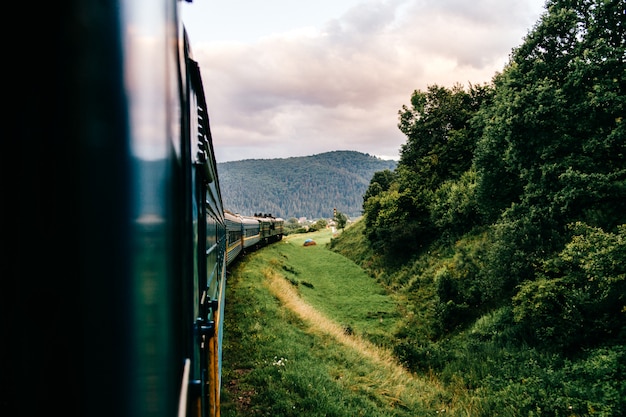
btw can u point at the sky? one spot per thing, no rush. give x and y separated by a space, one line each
288 78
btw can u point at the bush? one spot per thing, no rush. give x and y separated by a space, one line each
579 298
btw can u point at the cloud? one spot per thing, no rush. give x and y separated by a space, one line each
340 86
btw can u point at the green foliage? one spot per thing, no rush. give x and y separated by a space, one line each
381 181
498 184
292 226
318 225
440 140
341 219
431 191
390 227
518 244
553 148
458 284
579 298
532 383
453 209
321 224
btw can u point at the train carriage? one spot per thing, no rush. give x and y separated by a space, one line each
235 236
114 301
251 232
277 229
117 290
265 232
246 233
271 228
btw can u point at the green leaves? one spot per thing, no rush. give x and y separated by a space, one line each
553 149
579 297
542 147
431 191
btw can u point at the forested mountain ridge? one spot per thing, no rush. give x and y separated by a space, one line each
309 186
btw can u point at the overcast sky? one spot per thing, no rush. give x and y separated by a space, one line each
290 78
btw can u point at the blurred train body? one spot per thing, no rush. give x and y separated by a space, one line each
114 284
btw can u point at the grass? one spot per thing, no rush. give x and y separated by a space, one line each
337 287
307 332
299 338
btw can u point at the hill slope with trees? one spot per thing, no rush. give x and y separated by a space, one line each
310 186
504 223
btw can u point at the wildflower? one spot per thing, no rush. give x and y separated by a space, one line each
279 362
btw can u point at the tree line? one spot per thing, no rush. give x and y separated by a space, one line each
533 164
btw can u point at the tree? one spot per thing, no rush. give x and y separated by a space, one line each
453 209
341 219
554 147
440 135
318 225
559 109
442 132
579 296
381 181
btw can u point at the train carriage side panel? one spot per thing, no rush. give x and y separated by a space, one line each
209 255
235 237
277 229
251 232
109 161
137 317
265 229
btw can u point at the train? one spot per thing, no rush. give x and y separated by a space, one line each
117 242
247 233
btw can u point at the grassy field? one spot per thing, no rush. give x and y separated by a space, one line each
306 333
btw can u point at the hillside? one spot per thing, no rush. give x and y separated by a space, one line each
309 186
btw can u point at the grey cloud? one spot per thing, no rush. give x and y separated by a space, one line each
341 88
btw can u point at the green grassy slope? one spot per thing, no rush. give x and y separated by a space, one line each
299 327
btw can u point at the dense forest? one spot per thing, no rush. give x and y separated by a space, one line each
504 222
309 186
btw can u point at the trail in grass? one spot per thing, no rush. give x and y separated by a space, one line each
290 298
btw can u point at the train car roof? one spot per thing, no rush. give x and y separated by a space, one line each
249 220
242 219
232 217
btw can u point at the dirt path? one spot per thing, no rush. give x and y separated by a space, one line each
397 375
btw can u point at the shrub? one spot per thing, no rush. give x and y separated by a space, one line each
579 297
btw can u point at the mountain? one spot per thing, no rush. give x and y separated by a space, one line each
308 186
